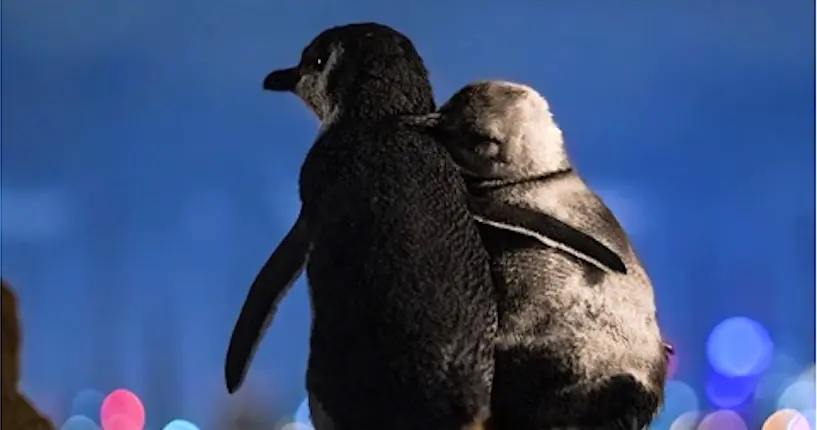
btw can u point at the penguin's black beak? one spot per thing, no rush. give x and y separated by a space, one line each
282 80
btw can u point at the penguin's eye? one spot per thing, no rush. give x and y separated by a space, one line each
317 59
320 62
314 59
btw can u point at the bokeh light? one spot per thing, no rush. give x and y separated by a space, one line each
722 420
811 417
799 395
728 392
122 410
679 398
297 426
284 420
120 422
781 373
180 424
739 346
786 419
687 421
88 402
79 422
809 374
303 414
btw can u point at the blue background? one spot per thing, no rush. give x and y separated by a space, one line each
146 176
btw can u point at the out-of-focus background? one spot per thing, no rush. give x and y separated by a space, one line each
146 177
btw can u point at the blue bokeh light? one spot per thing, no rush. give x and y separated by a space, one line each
180 424
679 399
799 396
88 402
687 421
811 417
781 373
728 392
303 415
79 422
739 346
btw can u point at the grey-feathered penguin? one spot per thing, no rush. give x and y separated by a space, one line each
404 315
578 345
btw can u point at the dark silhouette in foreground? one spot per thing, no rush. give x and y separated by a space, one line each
17 411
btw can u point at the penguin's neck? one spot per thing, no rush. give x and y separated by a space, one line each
381 98
483 187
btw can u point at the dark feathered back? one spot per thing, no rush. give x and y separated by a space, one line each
404 310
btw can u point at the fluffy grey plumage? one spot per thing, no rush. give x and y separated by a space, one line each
578 345
404 315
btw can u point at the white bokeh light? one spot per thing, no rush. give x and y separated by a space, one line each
302 414
799 396
679 399
297 426
180 424
782 372
687 421
739 346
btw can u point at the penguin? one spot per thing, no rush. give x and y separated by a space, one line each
283 267
578 345
402 296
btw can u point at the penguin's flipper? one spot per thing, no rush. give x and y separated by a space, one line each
270 286
548 230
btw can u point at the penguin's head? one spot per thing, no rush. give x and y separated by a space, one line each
367 68
500 130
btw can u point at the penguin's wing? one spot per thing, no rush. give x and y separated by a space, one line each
548 230
271 284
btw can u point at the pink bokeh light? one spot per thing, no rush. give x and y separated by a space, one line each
722 420
122 410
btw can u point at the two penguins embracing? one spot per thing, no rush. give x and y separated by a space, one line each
461 274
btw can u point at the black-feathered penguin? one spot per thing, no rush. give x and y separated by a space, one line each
579 345
404 315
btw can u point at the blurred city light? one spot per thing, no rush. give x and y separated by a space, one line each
88 402
722 420
122 410
79 422
739 346
686 421
303 414
780 374
786 419
679 398
728 392
799 396
297 426
180 424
